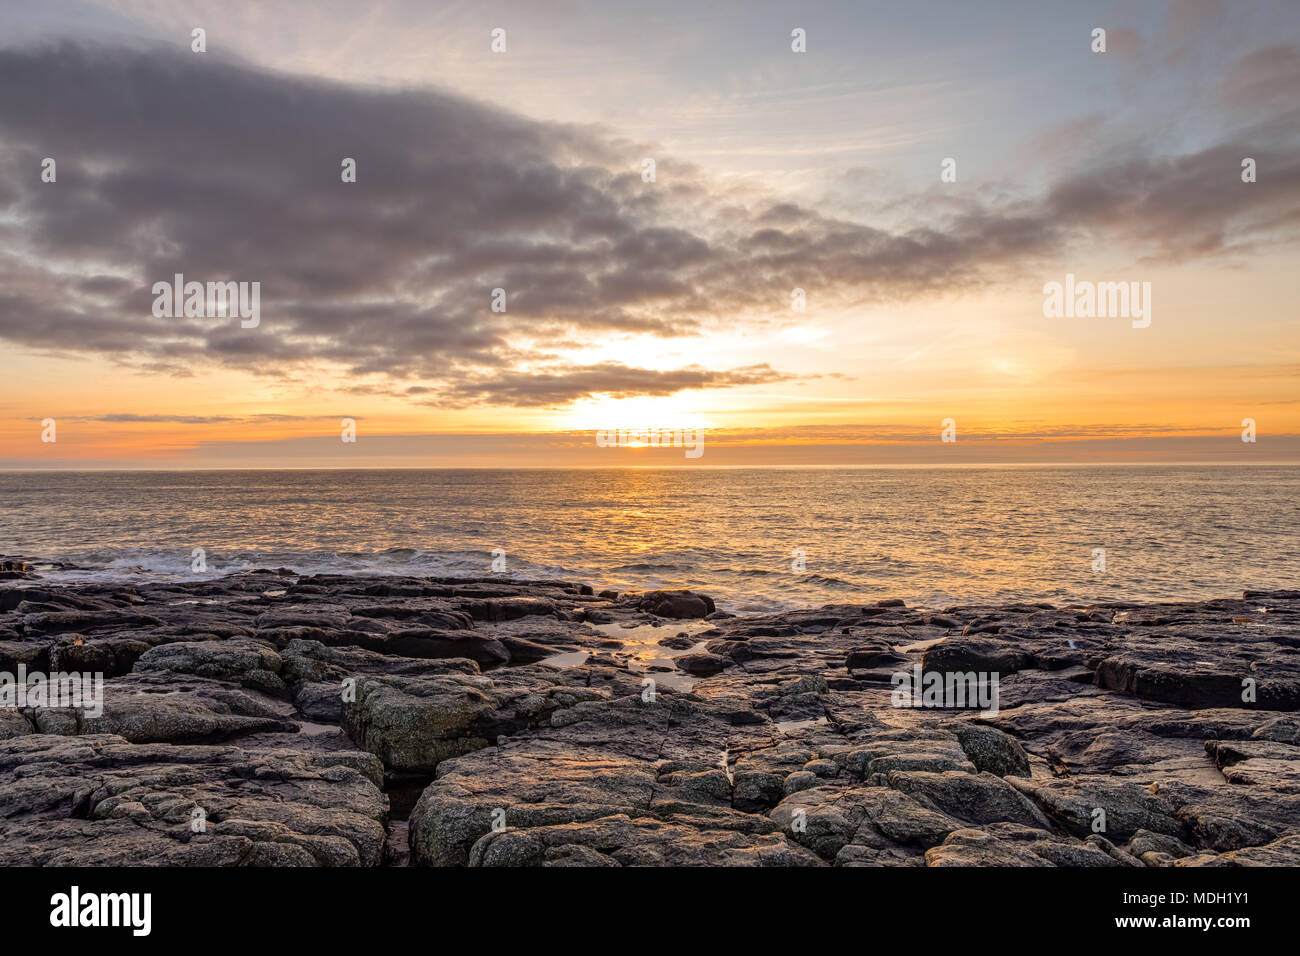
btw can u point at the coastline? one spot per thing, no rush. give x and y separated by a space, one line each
277 719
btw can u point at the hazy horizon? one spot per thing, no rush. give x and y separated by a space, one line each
662 467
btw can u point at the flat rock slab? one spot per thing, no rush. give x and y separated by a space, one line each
101 800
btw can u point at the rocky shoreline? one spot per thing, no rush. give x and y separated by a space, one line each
268 718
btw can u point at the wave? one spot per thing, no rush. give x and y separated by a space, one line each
133 563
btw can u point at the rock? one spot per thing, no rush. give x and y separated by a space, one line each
523 651
244 662
62 622
622 841
112 657
35 657
990 750
320 701
541 785
475 647
974 798
150 708
701 664
509 608
756 792
102 801
1144 842
875 654
802 780
312 661
774 739
1127 807
977 654
412 724
1264 763
977 848
1283 852
875 753
676 604
16 571
832 818
678 642
1216 683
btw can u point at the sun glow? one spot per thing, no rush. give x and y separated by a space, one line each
641 412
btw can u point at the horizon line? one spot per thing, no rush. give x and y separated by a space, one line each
684 467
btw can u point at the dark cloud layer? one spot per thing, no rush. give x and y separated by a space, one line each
608 378
133 418
174 162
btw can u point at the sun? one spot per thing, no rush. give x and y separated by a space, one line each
643 411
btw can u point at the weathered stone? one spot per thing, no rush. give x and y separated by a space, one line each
1116 741
702 664
102 801
676 604
244 662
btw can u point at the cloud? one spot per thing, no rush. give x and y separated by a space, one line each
552 387
887 446
173 162
132 418
1266 78
1188 206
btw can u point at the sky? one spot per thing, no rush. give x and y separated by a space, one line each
921 172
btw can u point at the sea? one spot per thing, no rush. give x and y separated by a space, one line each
756 540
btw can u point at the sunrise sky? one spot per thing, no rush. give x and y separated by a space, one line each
634 303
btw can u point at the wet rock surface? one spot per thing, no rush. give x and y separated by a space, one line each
268 718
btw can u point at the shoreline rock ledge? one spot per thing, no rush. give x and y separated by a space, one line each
276 719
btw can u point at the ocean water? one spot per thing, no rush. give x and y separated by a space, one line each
933 537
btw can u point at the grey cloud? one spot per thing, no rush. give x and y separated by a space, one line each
556 386
171 162
1266 78
1123 41
1188 206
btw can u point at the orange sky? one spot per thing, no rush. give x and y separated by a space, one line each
639 303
